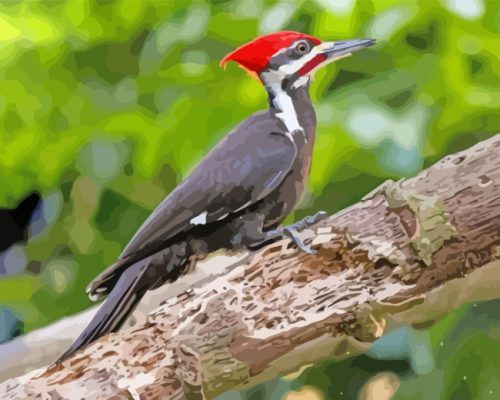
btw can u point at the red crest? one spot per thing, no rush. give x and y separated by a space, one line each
254 56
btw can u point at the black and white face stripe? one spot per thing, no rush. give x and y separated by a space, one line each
288 62
295 52
288 70
280 82
281 100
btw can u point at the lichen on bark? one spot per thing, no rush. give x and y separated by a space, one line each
433 225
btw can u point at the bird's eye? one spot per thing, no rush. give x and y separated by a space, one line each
302 47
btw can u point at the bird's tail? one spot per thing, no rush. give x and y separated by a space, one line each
121 301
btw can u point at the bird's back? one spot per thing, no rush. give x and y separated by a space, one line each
213 186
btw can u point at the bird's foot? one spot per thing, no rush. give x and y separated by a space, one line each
292 230
309 221
294 236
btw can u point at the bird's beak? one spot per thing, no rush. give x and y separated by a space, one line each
328 52
336 50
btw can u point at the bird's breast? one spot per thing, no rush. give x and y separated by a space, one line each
288 194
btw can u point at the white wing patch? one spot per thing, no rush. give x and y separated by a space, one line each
200 219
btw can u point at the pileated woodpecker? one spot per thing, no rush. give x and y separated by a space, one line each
240 193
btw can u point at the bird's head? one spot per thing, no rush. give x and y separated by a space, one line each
290 55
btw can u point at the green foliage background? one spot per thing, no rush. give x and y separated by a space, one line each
106 105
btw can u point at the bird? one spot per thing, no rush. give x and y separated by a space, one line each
239 193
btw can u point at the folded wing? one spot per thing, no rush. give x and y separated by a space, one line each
242 170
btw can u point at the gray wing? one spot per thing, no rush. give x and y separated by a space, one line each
241 170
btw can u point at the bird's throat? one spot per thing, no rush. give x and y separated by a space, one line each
286 101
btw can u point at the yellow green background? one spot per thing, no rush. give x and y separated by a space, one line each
106 105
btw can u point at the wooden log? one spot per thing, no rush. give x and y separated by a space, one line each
408 253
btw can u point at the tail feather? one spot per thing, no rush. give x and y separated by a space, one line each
132 282
103 283
122 300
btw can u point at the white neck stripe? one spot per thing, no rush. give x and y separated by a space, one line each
288 115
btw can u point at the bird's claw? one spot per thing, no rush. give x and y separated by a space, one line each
292 230
313 219
309 221
293 235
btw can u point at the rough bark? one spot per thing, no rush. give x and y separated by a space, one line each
408 253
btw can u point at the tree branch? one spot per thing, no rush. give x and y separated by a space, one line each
408 253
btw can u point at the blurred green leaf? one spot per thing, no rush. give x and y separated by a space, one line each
106 105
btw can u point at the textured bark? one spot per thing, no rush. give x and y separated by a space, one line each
408 253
